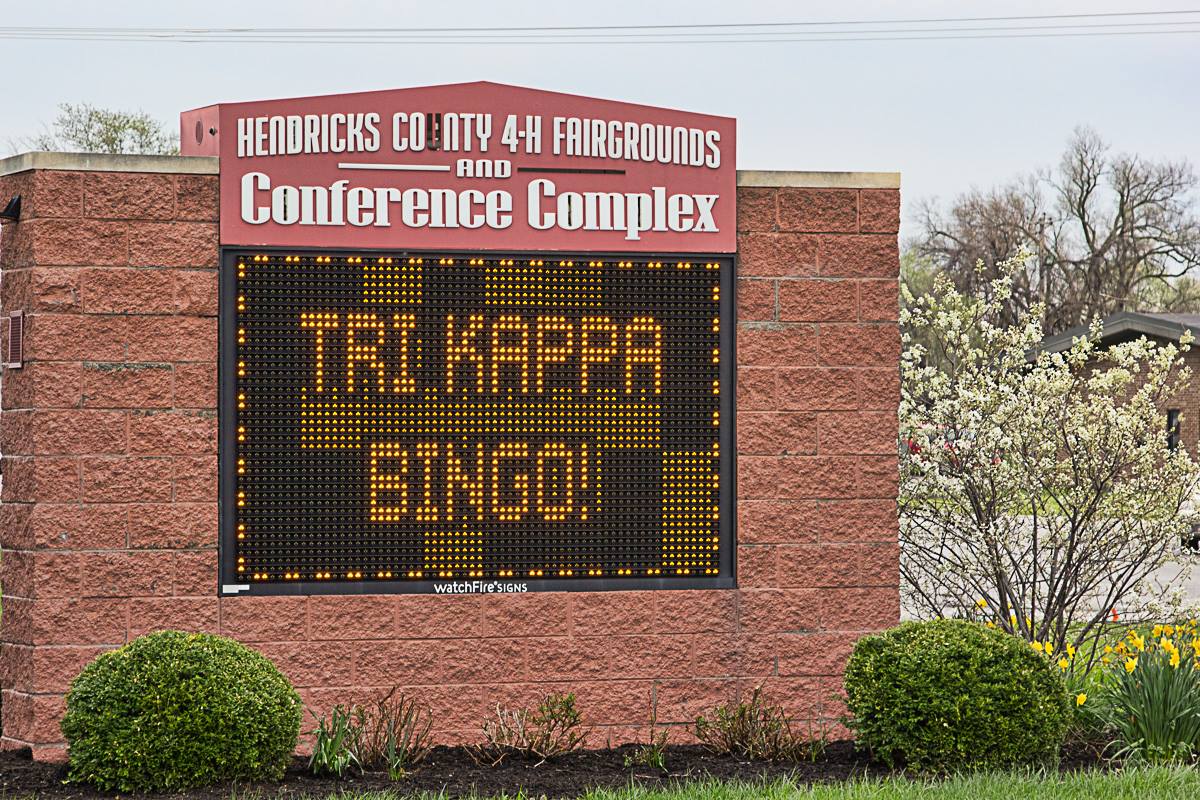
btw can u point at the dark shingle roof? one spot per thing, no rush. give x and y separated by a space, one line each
1127 325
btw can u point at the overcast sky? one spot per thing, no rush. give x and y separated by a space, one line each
948 114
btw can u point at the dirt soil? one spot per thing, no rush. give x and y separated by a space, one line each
452 772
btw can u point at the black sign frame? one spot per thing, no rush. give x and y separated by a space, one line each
231 584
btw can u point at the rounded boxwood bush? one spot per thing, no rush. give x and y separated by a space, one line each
950 695
174 710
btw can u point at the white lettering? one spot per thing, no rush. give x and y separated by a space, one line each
339 203
537 190
704 205
285 205
358 200
251 182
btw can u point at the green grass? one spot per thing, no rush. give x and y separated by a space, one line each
1158 783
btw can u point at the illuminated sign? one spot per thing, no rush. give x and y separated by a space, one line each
475 422
474 338
440 167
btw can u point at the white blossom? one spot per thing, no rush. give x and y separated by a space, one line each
1038 490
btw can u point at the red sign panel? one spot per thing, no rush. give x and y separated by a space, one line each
470 166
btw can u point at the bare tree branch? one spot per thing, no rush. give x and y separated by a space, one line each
1108 232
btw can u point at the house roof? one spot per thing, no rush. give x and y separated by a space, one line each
1128 325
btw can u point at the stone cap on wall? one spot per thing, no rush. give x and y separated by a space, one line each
775 178
207 165
106 162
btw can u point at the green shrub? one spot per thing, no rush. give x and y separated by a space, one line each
390 735
335 743
395 733
949 695
759 731
552 729
1089 730
173 710
654 752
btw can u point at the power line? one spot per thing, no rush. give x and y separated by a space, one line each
674 26
949 28
710 35
575 42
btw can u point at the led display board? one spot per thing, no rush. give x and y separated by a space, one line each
458 422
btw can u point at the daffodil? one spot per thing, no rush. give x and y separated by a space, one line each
1169 630
1108 648
1080 698
1175 659
1138 642
1036 645
1131 664
1070 651
1158 629
981 603
1063 664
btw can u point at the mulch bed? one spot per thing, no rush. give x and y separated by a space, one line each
452 772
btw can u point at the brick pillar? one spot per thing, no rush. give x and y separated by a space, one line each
818 390
108 516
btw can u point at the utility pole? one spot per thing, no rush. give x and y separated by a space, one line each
1043 276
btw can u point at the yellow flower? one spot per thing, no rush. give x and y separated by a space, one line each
981 603
1131 664
1080 698
1036 645
1158 629
1169 630
1105 660
1063 664
1196 647
1070 651
1138 641
991 624
1108 648
1175 659
1121 648
1166 644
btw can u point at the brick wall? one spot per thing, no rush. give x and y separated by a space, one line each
1188 403
108 521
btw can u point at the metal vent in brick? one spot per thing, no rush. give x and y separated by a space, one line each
15 354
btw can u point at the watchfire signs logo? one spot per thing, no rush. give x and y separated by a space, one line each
477 165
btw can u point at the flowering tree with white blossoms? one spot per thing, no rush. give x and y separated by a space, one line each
1038 490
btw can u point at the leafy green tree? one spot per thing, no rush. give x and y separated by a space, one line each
85 128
